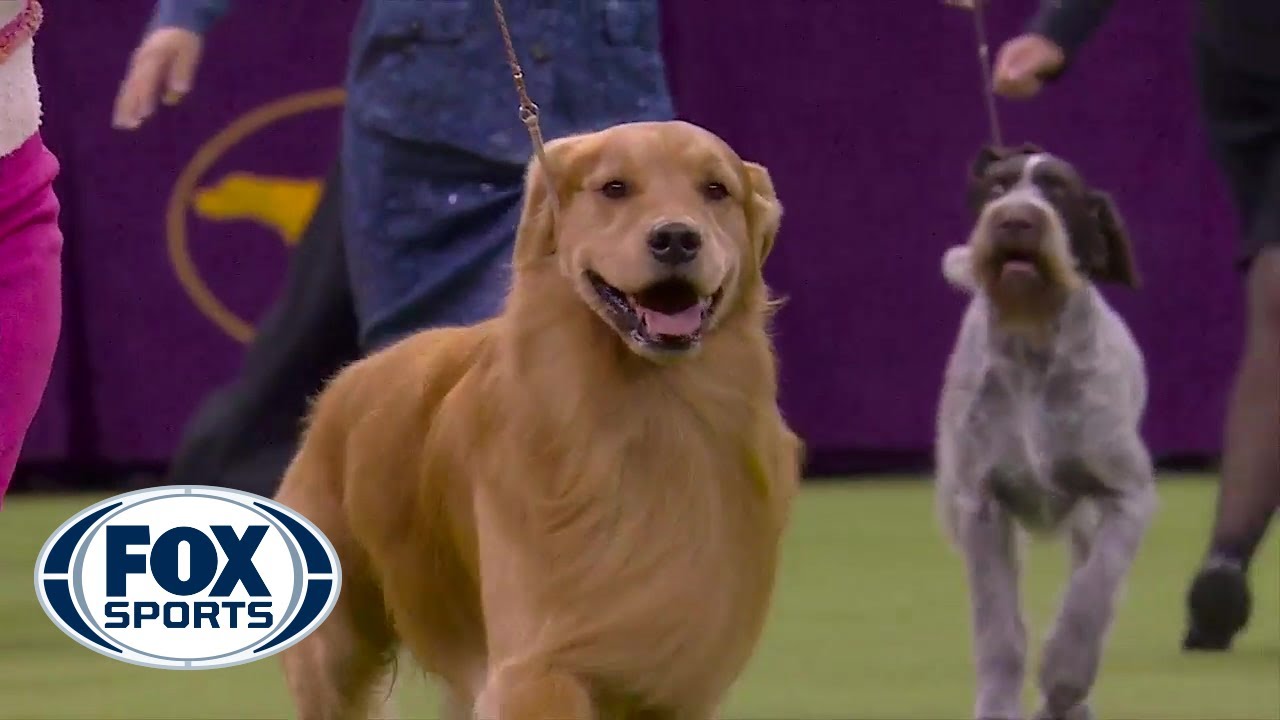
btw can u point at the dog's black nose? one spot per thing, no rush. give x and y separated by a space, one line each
1016 225
1018 222
675 243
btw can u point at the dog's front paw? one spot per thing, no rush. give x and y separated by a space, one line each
1006 710
1080 711
1067 673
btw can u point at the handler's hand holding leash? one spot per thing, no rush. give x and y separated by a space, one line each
1023 63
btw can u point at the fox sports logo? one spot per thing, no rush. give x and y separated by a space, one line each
187 577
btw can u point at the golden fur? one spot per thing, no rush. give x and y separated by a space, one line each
556 522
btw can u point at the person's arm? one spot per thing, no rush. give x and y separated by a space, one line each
1069 23
163 67
194 15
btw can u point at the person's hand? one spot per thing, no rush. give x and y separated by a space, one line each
1023 62
163 67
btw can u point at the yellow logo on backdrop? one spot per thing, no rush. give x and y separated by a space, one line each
282 205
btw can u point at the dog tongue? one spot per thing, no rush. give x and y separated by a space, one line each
685 322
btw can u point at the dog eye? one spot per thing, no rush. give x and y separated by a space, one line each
614 189
1059 189
715 191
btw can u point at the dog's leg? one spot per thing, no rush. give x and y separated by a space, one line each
1081 536
341 670
1073 650
458 705
384 706
1082 527
696 711
1081 544
710 712
985 536
527 691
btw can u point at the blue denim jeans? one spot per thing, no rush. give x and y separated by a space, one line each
434 151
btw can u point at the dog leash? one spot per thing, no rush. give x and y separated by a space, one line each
984 64
528 110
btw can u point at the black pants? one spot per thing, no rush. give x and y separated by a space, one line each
245 433
1242 115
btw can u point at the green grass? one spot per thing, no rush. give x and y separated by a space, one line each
870 622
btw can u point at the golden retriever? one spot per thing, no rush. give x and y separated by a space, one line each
573 510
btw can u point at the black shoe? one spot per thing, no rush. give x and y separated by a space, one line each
1218 604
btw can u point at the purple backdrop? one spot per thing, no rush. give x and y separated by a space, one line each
867 113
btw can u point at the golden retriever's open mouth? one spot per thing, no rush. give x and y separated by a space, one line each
668 315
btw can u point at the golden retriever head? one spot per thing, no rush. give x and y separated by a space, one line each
661 230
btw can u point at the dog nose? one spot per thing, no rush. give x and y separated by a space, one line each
674 243
1016 225
1019 221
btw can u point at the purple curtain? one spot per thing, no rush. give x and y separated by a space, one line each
867 114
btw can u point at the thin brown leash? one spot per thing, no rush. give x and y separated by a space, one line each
984 63
528 109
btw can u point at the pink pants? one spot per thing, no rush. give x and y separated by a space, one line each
30 292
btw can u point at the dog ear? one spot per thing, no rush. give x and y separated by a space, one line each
764 212
1113 259
536 233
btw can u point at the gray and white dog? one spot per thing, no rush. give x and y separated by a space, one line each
1038 424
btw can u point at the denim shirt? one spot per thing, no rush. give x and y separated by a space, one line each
435 71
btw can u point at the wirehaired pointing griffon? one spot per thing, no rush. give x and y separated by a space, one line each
1038 427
